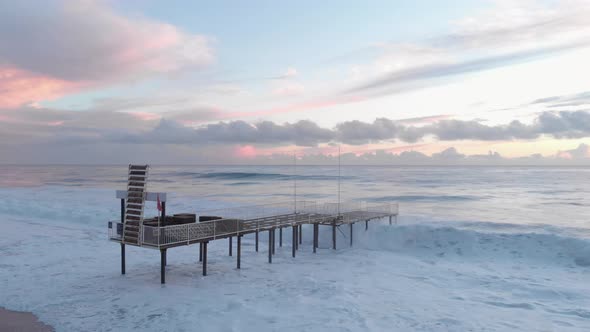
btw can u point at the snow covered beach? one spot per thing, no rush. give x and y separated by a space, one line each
428 273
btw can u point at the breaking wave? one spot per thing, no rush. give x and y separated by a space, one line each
425 198
253 176
449 242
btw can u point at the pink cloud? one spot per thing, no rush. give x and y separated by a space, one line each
87 44
89 40
145 116
19 87
246 151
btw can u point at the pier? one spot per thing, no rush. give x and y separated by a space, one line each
165 232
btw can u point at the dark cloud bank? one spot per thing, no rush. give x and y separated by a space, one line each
563 124
115 137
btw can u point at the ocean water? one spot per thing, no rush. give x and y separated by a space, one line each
474 249
553 196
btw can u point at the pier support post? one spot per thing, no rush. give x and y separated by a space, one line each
270 245
315 237
390 220
162 266
122 210
200 251
351 233
281 237
230 245
300 231
205 258
294 243
334 235
366 225
296 239
256 240
273 240
239 249
122 258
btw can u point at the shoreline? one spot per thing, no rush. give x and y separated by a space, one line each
22 321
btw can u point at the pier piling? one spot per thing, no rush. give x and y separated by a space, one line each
230 245
162 266
122 258
351 233
294 243
315 237
239 249
274 240
200 251
334 235
205 258
270 245
256 240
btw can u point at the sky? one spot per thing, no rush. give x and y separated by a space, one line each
258 82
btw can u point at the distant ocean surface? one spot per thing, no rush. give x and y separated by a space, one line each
551 196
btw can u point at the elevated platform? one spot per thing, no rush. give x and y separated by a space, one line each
253 219
161 234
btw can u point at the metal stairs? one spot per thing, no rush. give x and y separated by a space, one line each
136 189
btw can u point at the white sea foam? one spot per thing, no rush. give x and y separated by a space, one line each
431 272
400 277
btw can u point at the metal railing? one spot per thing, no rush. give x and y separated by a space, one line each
247 219
115 230
262 210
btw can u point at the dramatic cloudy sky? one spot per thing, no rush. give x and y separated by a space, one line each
389 82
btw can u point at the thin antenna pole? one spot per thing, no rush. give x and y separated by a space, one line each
338 179
295 180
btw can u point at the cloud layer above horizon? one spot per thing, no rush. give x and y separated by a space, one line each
94 76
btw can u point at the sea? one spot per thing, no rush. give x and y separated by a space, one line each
473 249
552 196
